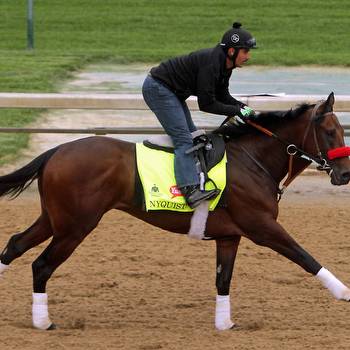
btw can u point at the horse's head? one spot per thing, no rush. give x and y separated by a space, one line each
324 137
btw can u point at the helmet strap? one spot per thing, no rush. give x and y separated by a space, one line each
234 56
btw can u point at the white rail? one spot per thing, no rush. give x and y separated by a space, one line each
135 101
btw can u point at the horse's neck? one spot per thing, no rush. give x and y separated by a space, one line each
272 154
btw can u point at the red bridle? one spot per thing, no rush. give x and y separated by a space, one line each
339 152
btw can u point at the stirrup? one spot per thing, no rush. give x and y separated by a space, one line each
194 196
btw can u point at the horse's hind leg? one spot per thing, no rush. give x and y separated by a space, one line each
58 251
19 243
43 267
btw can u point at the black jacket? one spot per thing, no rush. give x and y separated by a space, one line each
203 74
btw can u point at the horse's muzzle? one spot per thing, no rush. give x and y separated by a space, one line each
340 178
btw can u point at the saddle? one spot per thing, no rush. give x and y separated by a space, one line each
208 149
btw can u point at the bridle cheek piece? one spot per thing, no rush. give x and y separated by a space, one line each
334 153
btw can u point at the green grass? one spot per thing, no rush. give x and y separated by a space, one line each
71 33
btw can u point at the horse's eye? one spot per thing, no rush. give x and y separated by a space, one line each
331 133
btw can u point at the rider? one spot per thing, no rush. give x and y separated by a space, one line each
205 74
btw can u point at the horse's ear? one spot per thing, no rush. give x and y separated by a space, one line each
328 105
330 101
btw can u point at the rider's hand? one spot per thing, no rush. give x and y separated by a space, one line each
246 112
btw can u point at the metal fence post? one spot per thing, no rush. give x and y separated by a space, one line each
30 25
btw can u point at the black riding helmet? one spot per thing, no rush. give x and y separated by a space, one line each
238 38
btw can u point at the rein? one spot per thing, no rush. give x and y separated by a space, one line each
293 150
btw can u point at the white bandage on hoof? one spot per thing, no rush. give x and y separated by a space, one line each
223 313
337 288
40 312
199 221
3 268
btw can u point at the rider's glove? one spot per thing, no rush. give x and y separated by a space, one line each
245 113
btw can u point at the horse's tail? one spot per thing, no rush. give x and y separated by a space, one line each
15 183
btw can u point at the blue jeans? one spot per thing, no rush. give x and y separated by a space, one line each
175 118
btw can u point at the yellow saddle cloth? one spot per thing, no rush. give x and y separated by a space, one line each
156 171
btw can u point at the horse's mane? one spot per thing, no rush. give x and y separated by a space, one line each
271 118
267 120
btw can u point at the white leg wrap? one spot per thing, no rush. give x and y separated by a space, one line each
40 311
223 313
199 221
3 268
337 288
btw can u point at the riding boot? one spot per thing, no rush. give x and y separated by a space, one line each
194 196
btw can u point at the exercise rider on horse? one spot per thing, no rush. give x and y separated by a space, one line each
205 74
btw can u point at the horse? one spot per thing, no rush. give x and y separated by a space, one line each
81 180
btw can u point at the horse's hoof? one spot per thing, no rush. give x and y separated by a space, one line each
52 327
226 326
3 268
235 327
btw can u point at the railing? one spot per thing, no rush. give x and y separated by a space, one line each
135 102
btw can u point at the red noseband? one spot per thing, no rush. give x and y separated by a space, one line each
339 152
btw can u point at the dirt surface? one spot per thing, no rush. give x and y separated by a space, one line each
133 286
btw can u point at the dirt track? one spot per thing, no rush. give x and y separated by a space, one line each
132 286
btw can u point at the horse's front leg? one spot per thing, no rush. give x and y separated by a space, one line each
226 251
275 237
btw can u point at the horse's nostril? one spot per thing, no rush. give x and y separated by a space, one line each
346 175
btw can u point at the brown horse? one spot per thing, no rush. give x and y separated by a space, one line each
80 181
